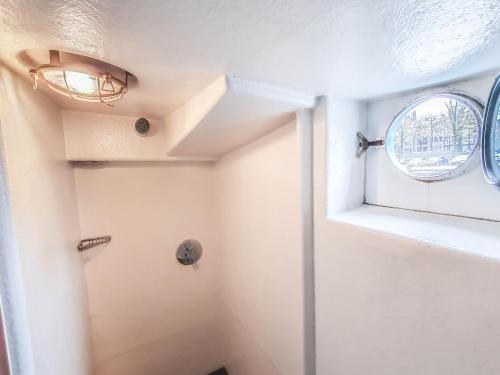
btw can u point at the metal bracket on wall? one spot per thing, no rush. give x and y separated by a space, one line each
364 144
89 243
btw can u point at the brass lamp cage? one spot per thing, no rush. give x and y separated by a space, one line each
108 88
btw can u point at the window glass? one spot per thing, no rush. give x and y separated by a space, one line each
434 137
497 139
491 140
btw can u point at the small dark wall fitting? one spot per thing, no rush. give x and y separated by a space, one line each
364 144
142 126
221 371
189 252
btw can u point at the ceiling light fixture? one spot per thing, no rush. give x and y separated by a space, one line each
80 83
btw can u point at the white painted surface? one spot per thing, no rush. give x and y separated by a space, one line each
259 194
345 172
304 120
466 195
149 314
231 124
242 306
354 49
228 114
94 136
460 234
391 306
13 304
44 211
181 123
388 305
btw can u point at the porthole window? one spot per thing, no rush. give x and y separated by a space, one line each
491 140
435 137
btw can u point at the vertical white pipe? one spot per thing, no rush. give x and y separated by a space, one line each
304 120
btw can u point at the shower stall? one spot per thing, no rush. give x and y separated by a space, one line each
121 302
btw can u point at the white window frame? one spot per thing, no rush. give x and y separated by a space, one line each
490 167
474 104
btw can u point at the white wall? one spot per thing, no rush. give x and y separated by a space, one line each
242 306
345 179
96 136
150 314
260 218
44 211
13 304
389 305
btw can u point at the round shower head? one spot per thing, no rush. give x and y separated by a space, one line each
142 126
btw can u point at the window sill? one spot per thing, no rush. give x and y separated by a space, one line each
479 237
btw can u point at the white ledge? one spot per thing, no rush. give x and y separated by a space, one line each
244 86
479 237
229 113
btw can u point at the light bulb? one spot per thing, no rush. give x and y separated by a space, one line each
81 82
86 85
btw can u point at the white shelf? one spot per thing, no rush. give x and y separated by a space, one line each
475 236
230 113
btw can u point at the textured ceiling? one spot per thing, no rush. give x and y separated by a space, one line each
352 48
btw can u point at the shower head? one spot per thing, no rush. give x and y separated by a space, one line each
142 126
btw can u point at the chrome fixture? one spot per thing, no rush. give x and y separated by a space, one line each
491 136
364 144
89 243
142 126
189 252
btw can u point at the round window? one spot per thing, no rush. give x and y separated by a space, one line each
435 137
491 136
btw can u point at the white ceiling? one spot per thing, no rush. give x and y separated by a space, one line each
350 48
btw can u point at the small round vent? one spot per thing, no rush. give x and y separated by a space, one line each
142 126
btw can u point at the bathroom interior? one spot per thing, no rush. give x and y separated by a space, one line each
275 187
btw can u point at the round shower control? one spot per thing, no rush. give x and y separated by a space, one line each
189 252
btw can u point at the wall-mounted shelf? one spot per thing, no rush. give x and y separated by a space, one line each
230 113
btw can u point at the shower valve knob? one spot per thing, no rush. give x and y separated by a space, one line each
189 252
